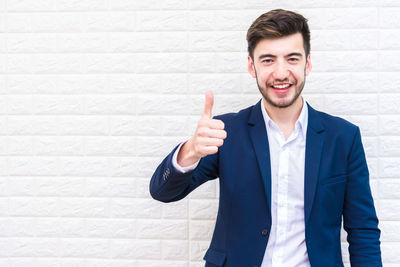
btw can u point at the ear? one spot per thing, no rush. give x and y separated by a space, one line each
250 67
308 65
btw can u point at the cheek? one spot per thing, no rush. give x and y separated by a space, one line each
264 75
298 73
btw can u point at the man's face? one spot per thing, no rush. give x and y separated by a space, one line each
280 67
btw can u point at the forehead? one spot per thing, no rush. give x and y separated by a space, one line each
280 46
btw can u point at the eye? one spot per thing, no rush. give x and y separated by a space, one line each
267 61
293 59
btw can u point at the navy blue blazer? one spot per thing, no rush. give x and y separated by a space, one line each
336 186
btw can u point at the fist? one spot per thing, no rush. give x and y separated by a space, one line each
209 136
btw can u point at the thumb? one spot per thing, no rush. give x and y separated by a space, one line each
208 104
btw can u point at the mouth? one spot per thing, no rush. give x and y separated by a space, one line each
281 88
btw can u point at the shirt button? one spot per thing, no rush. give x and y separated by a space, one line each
264 232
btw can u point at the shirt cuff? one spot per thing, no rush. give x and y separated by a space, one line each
177 166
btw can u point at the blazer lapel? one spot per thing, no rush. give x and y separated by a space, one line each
314 146
259 139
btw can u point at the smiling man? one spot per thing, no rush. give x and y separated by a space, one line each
289 175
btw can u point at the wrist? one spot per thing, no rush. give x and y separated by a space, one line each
187 156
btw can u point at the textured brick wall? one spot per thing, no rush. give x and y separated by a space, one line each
94 93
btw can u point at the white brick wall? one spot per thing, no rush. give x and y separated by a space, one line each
94 93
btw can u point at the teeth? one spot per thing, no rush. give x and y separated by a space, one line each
281 86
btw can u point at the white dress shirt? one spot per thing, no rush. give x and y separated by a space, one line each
286 243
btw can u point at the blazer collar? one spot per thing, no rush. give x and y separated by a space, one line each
314 147
259 139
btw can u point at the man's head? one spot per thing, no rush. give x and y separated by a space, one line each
279 56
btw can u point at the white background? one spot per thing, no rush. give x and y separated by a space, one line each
94 94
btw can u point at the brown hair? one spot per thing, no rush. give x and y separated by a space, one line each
278 23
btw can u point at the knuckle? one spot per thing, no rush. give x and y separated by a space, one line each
220 142
202 131
215 149
202 121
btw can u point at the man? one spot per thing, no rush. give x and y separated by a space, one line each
287 173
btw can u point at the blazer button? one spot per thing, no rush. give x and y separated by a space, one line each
166 174
264 232
254 265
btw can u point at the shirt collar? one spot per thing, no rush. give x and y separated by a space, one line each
302 120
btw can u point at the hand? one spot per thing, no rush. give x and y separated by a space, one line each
209 135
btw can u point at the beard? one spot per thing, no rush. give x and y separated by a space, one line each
298 89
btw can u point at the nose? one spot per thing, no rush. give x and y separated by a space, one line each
281 71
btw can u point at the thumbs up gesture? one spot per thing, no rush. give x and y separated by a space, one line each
209 135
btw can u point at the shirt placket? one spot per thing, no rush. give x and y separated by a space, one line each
282 201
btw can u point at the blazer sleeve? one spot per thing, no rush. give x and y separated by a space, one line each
168 184
359 216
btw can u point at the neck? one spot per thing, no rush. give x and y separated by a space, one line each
285 116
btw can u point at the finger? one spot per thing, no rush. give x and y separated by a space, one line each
215 124
208 105
221 134
208 150
210 141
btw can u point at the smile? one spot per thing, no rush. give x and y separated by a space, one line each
282 86
281 89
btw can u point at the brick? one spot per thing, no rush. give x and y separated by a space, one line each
214 41
110 228
198 250
161 21
218 83
175 210
388 61
389 124
175 249
166 229
161 63
75 42
364 39
209 4
388 17
389 188
81 207
389 146
203 209
18 22
389 210
161 263
344 61
351 104
231 62
389 39
343 18
28 5
54 105
389 83
201 230
388 167
390 252
202 62
85 5
135 208
57 145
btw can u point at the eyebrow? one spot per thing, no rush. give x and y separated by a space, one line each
273 56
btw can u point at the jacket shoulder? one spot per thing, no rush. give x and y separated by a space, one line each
337 126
